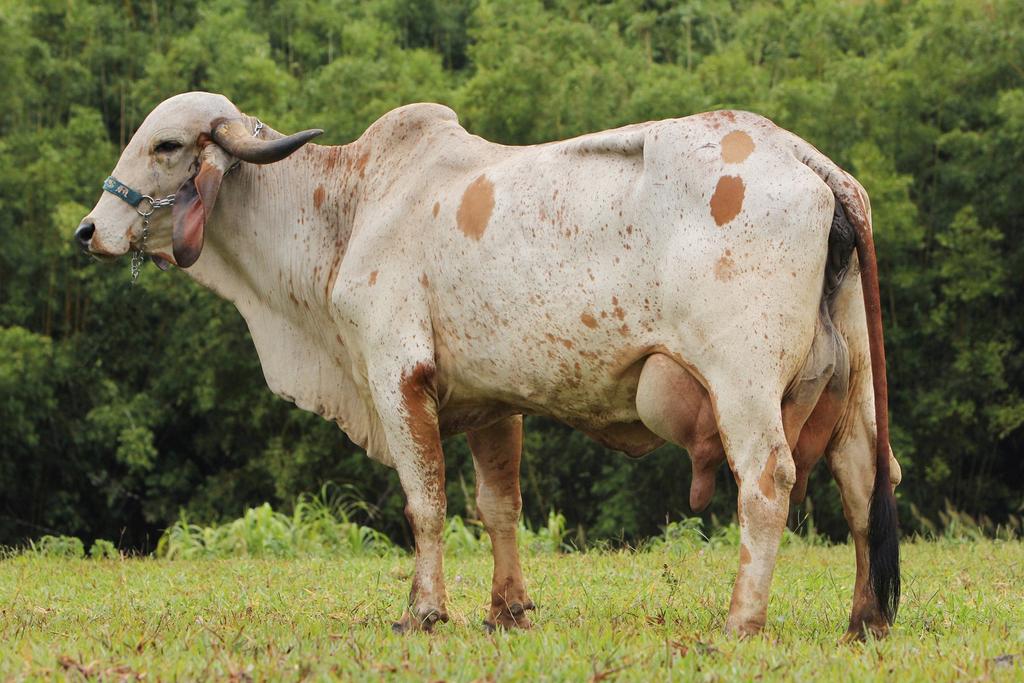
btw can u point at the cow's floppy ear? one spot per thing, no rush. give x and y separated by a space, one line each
193 204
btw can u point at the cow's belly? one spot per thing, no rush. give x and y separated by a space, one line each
619 429
632 437
525 364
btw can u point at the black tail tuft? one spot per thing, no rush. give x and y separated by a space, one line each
884 549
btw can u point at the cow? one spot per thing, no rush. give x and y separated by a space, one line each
709 281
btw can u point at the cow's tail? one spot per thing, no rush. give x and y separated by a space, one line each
883 524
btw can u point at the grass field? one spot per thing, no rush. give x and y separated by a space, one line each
641 616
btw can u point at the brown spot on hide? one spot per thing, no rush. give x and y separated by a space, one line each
727 200
437 207
331 160
475 208
361 163
424 280
588 320
318 196
736 146
725 268
744 555
567 343
373 278
419 394
332 276
292 297
766 482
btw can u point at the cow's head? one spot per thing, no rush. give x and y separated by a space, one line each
183 149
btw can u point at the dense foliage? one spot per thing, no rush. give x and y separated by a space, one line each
120 407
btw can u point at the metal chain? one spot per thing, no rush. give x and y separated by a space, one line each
139 255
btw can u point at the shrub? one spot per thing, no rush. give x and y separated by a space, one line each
956 526
59 546
319 526
684 535
103 550
460 537
549 538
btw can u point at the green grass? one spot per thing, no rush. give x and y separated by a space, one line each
654 615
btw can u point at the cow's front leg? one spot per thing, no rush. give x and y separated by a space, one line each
496 453
409 414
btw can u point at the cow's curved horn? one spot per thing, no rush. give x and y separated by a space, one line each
236 140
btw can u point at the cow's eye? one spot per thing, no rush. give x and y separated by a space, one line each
167 146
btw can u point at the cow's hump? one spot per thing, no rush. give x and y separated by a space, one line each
408 123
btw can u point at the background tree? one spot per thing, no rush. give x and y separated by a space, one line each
119 406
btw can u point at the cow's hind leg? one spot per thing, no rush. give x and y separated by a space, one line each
851 458
496 453
674 405
755 442
408 411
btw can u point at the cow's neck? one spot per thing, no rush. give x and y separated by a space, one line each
274 246
279 231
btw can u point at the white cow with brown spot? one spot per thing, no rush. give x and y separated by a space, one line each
688 280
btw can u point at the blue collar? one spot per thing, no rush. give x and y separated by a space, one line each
122 191
135 198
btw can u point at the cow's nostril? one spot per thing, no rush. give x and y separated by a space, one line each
84 233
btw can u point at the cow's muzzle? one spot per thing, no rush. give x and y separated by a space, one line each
85 238
83 234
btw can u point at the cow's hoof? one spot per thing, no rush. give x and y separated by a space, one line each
858 634
743 629
509 616
419 619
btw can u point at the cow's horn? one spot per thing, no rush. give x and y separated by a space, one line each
237 141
